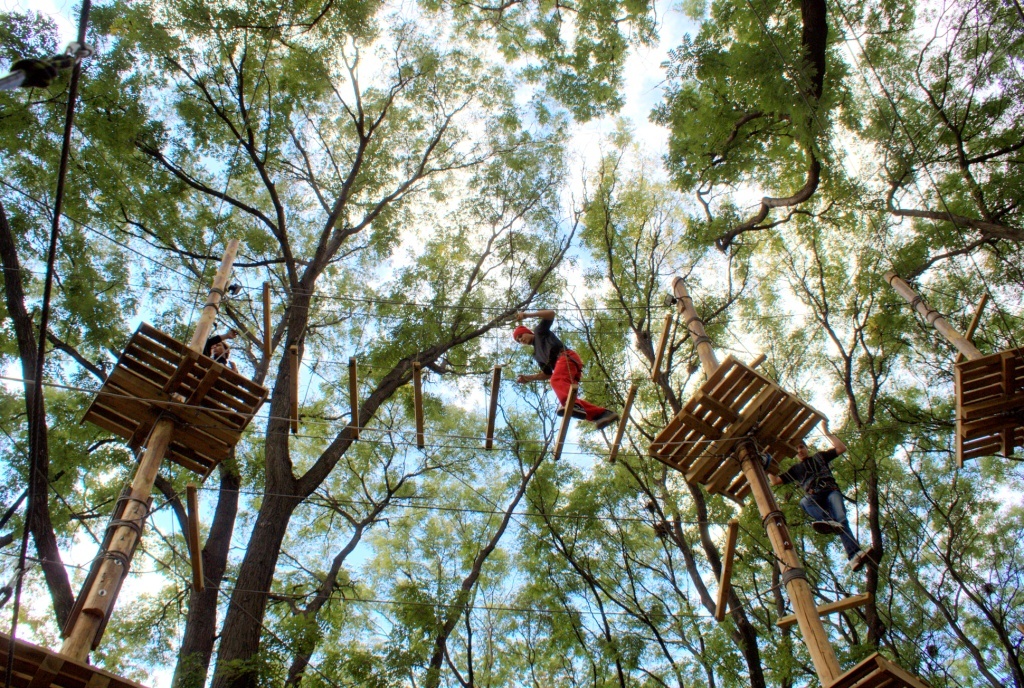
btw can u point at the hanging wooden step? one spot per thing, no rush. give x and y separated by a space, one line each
877 672
158 375
37 667
736 402
829 608
989 405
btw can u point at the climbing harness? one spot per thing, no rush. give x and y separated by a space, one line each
40 72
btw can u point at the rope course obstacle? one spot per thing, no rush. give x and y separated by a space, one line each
989 388
716 441
176 403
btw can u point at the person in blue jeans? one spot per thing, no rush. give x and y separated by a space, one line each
822 499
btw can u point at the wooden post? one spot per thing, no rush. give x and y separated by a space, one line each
656 371
293 363
932 317
695 327
194 552
83 636
757 361
492 411
725 582
793 576
563 430
975 319
623 419
353 395
417 401
267 334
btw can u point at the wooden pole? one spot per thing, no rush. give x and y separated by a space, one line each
566 417
974 323
293 367
267 334
195 554
656 371
99 597
793 575
417 401
353 394
623 419
492 410
830 608
725 581
932 317
757 361
695 327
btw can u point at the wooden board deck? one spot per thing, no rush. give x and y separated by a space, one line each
877 672
735 402
990 405
37 667
157 374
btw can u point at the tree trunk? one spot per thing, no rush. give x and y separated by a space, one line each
201 626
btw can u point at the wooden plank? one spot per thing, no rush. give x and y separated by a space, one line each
353 396
623 420
721 448
725 581
194 545
267 334
660 354
1009 371
47 670
205 385
830 608
417 402
703 398
184 368
754 386
984 409
969 334
563 430
492 409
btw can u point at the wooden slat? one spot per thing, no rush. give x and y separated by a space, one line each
725 581
194 545
623 420
205 385
660 354
184 368
563 430
830 608
723 411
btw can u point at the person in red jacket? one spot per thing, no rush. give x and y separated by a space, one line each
559 365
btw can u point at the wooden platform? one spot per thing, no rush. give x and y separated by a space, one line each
735 402
157 374
990 405
877 672
37 667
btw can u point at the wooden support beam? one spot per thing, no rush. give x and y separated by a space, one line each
194 551
267 334
566 417
757 361
830 608
974 323
725 582
623 419
417 401
353 395
932 317
492 410
660 354
701 341
293 369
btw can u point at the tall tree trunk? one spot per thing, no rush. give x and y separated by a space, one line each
38 517
201 625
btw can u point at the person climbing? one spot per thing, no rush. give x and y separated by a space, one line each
219 350
822 500
561 366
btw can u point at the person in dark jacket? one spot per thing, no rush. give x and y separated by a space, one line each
822 499
219 350
560 366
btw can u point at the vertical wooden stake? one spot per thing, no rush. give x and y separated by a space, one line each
192 502
726 580
623 419
695 327
353 394
660 354
293 361
566 417
417 400
492 411
267 334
